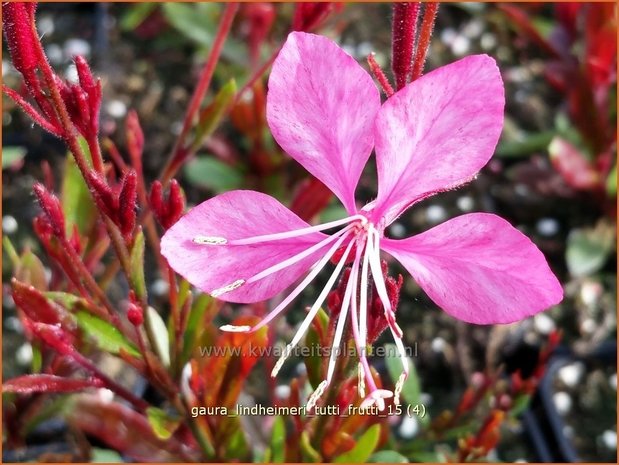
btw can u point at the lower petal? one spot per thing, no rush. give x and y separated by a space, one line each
217 265
479 269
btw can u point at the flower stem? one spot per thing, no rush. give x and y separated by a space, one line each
423 42
179 153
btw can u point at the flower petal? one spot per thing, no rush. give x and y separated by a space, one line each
238 215
437 133
321 107
479 269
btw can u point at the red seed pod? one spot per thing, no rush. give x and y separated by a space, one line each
167 211
309 15
51 206
403 43
84 74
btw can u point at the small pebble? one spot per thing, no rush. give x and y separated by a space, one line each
364 49
435 214
45 25
409 427
397 230
73 47
465 203
9 224
105 395
547 227
160 287
23 355
609 439
588 326
488 41
438 344
590 292
571 374
54 54
282 391
12 323
116 109
461 45
426 398
543 323
562 401
71 74
612 380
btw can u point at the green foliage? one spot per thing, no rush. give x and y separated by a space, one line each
210 173
364 447
106 336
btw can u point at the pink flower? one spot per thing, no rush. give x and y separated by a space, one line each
433 135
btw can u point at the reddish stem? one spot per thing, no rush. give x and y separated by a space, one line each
179 154
380 76
403 43
423 42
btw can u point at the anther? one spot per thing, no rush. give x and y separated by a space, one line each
280 363
311 403
230 287
398 388
360 381
210 240
235 329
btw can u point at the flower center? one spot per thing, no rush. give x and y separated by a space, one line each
357 231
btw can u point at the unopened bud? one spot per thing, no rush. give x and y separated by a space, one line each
135 315
51 206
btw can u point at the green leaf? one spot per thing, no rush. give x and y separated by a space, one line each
308 453
211 116
333 213
524 145
363 448
137 266
106 336
136 14
31 270
77 203
68 301
313 362
197 25
588 249
611 182
411 391
12 155
99 455
278 441
210 173
195 325
162 423
387 456
521 402
158 328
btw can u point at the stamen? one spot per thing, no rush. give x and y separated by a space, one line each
341 322
381 289
297 232
398 388
228 288
320 390
360 380
280 363
318 266
314 310
361 345
235 329
210 240
298 257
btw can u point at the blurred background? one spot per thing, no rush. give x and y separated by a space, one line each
553 176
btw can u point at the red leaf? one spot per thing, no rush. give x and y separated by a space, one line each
572 165
34 304
29 384
311 198
125 430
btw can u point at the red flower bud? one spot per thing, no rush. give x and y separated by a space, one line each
135 138
54 336
51 206
18 19
259 18
135 314
309 15
104 195
127 204
167 211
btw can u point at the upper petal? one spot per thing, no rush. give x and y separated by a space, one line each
437 132
238 215
479 269
321 107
